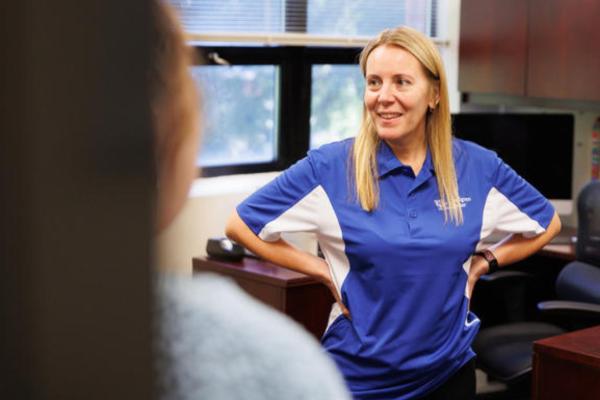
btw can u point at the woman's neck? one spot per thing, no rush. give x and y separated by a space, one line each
411 154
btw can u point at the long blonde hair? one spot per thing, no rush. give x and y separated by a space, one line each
438 131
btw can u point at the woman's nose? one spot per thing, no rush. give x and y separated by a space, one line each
386 94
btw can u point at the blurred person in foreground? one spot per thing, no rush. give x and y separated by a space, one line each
213 341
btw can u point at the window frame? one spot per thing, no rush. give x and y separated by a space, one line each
295 86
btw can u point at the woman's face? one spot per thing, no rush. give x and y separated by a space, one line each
397 95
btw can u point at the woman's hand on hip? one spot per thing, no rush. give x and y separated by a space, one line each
283 254
479 267
324 276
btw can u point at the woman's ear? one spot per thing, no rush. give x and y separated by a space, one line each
435 95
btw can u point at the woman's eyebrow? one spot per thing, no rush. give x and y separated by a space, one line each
398 75
403 75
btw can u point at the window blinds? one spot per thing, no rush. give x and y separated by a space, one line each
302 22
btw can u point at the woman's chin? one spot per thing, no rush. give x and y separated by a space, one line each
400 137
390 135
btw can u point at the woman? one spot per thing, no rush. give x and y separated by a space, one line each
213 341
399 213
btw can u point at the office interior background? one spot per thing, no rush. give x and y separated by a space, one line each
76 236
271 120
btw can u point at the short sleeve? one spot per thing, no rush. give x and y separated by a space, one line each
289 203
514 206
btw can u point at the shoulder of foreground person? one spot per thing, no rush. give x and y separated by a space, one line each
215 342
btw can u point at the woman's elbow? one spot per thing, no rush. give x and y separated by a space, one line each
555 226
232 226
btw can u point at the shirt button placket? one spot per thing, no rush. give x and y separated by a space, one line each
411 212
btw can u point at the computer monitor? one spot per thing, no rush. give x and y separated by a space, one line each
539 147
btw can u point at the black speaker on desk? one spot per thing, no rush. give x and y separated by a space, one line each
224 249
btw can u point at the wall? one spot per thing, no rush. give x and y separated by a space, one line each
210 202
582 158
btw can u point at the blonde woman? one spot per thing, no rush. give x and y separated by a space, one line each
399 213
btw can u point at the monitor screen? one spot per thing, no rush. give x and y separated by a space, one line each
539 147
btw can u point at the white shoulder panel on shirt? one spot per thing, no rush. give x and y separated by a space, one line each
499 213
314 213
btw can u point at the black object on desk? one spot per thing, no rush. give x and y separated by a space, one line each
224 249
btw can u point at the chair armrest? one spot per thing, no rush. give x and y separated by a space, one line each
569 307
503 276
571 314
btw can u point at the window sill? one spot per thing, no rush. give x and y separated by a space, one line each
223 185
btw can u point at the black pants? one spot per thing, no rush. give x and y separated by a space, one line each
460 386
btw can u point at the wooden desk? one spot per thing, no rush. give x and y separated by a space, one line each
296 295
567 366
562 251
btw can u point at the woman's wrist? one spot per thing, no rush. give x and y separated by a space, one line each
489 258
321 270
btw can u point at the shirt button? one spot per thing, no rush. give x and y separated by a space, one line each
412 214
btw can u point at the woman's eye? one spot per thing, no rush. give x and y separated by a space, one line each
373 83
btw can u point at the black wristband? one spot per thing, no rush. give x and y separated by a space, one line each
490 258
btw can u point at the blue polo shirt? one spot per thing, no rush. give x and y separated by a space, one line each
401 269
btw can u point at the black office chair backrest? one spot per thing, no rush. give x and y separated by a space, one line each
579 281
588 233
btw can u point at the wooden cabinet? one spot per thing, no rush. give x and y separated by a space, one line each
296 295
535 48
564 49
493 46
567 366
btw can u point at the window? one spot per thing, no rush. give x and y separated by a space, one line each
281 76
336 102
367 17
228 16
240 120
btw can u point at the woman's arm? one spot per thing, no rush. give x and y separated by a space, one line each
282 254
516 248
519 247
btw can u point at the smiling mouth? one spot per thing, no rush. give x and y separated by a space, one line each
389 115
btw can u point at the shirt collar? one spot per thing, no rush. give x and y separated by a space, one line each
388 162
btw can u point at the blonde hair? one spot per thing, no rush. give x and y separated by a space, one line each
438 131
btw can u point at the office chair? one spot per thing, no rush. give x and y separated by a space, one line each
504 352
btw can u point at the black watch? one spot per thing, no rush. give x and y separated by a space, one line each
490 258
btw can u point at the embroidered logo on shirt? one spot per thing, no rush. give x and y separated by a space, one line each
441 205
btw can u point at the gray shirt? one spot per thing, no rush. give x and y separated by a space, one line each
215 342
